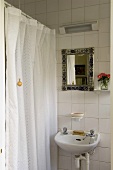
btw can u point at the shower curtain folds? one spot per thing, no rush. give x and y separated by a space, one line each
31 120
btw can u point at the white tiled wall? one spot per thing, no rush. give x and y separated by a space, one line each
96 106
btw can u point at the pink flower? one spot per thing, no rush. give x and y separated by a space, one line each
108 75
103 76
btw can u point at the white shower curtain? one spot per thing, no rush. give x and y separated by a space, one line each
30 108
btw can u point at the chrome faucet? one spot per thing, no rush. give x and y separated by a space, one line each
91 134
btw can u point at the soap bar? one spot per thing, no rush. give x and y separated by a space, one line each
78 132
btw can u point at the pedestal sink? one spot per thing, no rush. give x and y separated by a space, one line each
76 144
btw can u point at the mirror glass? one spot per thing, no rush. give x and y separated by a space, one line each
77 69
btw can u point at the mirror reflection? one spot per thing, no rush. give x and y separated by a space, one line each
77 69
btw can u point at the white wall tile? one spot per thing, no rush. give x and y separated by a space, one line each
104 25
78 125
91 40
105 166
104 111
96 55
64 121
105 140
104 1
52 5
95 156
59 57
64 17
91 2
96 72
91 123
104 39
104 11
52 18
17 3
59 70
30 8
65 96
91 110
54 153
83 165
65 162
77 15
10 1
27 1
57 43
104 54
17 6
91 32
40 7
41 18
78 41
77 3
64 4
22 7
63 35
104 154
78 108
92 12
78 34
91 97
94 165
104 125
59 83
64 108
65 42
56 27
77 97
104 67
63 153
104 98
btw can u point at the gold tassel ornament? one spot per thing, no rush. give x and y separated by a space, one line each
19 83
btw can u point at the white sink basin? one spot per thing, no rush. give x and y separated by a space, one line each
76 144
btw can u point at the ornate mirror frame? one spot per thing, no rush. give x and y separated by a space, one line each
90 53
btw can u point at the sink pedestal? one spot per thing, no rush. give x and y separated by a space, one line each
81 157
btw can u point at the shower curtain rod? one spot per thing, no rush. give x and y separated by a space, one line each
24 14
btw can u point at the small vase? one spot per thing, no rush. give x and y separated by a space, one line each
104 86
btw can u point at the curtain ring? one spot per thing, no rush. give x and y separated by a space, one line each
19 83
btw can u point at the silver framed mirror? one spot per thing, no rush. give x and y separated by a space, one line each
78 69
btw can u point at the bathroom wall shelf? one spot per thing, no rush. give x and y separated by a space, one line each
76 116
101 91
98 90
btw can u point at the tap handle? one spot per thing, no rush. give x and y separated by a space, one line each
64 130
92 132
